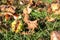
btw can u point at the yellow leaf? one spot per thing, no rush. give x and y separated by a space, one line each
16 26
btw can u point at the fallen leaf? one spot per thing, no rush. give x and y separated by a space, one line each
31 24
55 35
54 6
7 16
57 12
7 8
16 26
50 19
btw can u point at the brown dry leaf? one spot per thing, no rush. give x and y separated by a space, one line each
49 10
29 10
39 2
7 16
57 12
55 35
54 6
26 15
31 24
4 13
56 1
30 1
2 7
15 16
50 19
10 1
8 8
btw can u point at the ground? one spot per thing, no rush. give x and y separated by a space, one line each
29 19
